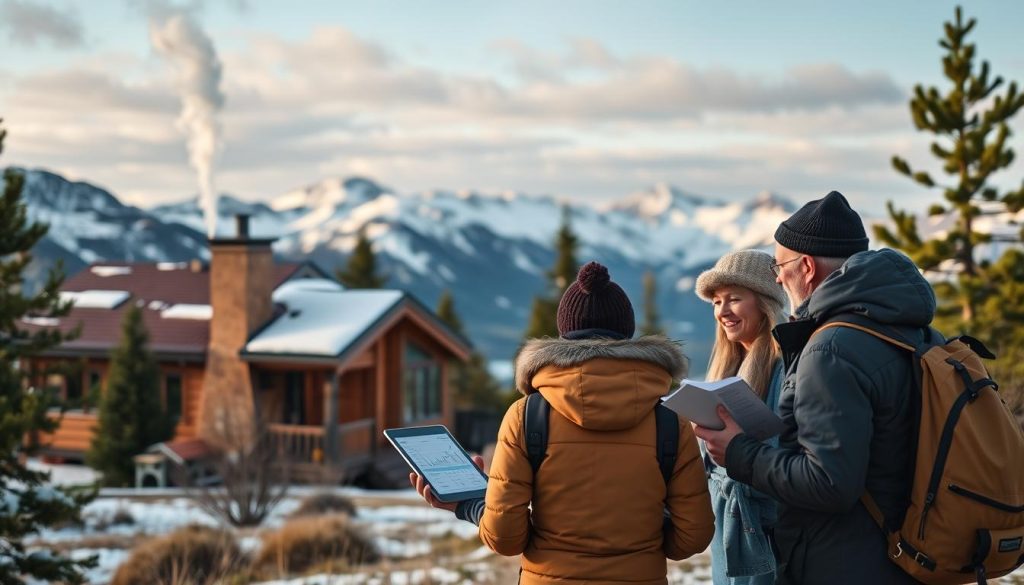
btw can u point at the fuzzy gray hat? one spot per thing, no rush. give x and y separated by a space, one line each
750 269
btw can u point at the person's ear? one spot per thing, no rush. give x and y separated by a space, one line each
810 268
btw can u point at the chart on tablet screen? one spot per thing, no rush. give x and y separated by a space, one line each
443 464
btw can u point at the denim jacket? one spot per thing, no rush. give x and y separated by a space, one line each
740 551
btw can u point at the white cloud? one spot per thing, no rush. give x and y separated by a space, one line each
580 122
30 24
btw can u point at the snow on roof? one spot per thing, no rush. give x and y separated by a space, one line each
321 322
307 285
166 266
188 311
41 321
95 299
111 270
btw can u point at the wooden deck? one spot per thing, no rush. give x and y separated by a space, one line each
303 448
72 438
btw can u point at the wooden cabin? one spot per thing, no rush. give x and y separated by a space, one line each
327 368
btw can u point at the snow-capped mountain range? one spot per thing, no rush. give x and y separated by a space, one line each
491 250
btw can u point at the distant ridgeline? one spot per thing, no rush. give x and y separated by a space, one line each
491 251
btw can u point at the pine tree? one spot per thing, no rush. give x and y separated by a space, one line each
652 322
969 121
566 245
472 383
361 270
27 504
543 318
446 311
543 314
131 417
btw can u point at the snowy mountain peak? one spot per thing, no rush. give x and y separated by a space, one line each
659 200
329 193
492 249
47 190
769 201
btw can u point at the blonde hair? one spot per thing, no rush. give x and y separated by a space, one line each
730 358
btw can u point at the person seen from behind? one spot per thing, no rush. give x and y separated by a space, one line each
595 512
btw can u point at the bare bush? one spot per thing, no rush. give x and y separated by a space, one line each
195 555
253 478
324 503
314 542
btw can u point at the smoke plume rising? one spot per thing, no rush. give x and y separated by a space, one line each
180 40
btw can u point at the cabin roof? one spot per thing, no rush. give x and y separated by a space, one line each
175 300
321 321
315 318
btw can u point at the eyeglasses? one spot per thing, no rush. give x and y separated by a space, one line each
777 265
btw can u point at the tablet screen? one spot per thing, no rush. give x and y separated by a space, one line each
443 463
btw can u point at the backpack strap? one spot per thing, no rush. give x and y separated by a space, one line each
869 331
535 433
667 422
535 429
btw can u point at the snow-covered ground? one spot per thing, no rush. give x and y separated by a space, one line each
404 529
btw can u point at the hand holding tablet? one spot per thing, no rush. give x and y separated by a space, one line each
439 459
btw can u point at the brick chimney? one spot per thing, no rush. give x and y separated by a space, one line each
241 283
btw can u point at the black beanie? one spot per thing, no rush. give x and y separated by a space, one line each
824 227
595 306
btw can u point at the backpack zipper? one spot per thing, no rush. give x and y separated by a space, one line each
985 499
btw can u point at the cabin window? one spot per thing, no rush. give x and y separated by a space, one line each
92 397
172 395
54 384
95 379
421 383
294 398
73 389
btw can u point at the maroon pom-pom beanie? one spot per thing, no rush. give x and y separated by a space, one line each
595 306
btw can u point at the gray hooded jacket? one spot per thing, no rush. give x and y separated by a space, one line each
846 402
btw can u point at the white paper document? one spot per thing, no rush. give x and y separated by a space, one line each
697 401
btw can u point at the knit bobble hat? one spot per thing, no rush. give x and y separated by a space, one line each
751 269
595 306
824 227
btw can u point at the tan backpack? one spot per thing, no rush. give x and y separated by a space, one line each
965 518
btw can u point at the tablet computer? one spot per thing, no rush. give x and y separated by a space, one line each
434 453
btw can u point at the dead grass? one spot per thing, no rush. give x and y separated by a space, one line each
324 503
95 542
313 543
451 545
195 555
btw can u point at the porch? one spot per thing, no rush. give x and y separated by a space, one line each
305 449
325 417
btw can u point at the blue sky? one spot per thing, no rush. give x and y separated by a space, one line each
586 100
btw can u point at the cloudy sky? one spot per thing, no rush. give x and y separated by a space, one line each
588 100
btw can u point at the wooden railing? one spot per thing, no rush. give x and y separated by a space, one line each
72 437
304 444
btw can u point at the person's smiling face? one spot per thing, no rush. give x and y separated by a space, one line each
737 313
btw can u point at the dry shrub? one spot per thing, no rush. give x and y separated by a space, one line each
312 542
254 478
194 555
121 517
325 503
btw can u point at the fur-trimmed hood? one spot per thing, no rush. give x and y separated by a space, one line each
601 384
